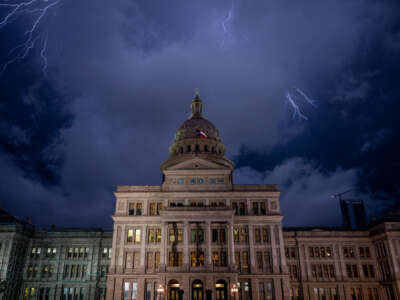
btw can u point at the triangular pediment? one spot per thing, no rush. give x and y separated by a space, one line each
197 164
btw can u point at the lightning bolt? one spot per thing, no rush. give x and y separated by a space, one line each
225 24
296 108
44 57
38 10
309 100
293 98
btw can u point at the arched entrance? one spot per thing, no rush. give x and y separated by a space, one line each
197 290
173 288
221 290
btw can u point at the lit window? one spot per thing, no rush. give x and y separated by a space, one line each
192 181
130 236
180 181
200 180
137 236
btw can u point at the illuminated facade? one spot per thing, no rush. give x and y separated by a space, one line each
199 236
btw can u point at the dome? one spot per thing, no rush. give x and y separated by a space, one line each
197 135
190 129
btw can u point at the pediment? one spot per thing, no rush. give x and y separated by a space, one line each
198 164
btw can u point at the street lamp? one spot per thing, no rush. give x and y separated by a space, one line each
234 290
160 291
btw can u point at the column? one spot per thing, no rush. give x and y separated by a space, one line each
251 248
302 259
120 249
273 249
143 249
186 245
163 250
231 245
208 244
282 249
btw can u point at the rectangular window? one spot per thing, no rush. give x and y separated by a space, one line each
243 235
158 235
255 208
130 236
222 235
237 260
137 236
259 258
261 291
235 208
134 290
126 290
157 260
223 259
215 235
151 236
138 209
236 235
371 271
159 207
263 211
293 252
131 209
152 211
215 258
150 260
310 251
265 235
257 235
242 208
149 286
175 259
197 259
245 260
268 261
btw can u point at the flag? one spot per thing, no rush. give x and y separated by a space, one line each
202 134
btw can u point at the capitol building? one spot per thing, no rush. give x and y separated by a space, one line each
199 236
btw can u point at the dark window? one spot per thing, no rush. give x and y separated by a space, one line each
255 208
215 235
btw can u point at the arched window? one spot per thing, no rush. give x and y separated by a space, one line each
221 290
173 288
197 148
205 148
197 290
189 149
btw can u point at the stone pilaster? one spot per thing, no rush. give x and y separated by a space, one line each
251 249
143 249
164 244
231 249
208 245
186 233
275 266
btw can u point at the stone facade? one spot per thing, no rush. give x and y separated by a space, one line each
197 235
54 263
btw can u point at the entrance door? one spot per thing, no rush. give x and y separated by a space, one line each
197 290
173 288
221 290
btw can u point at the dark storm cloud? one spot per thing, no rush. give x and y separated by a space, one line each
132 67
